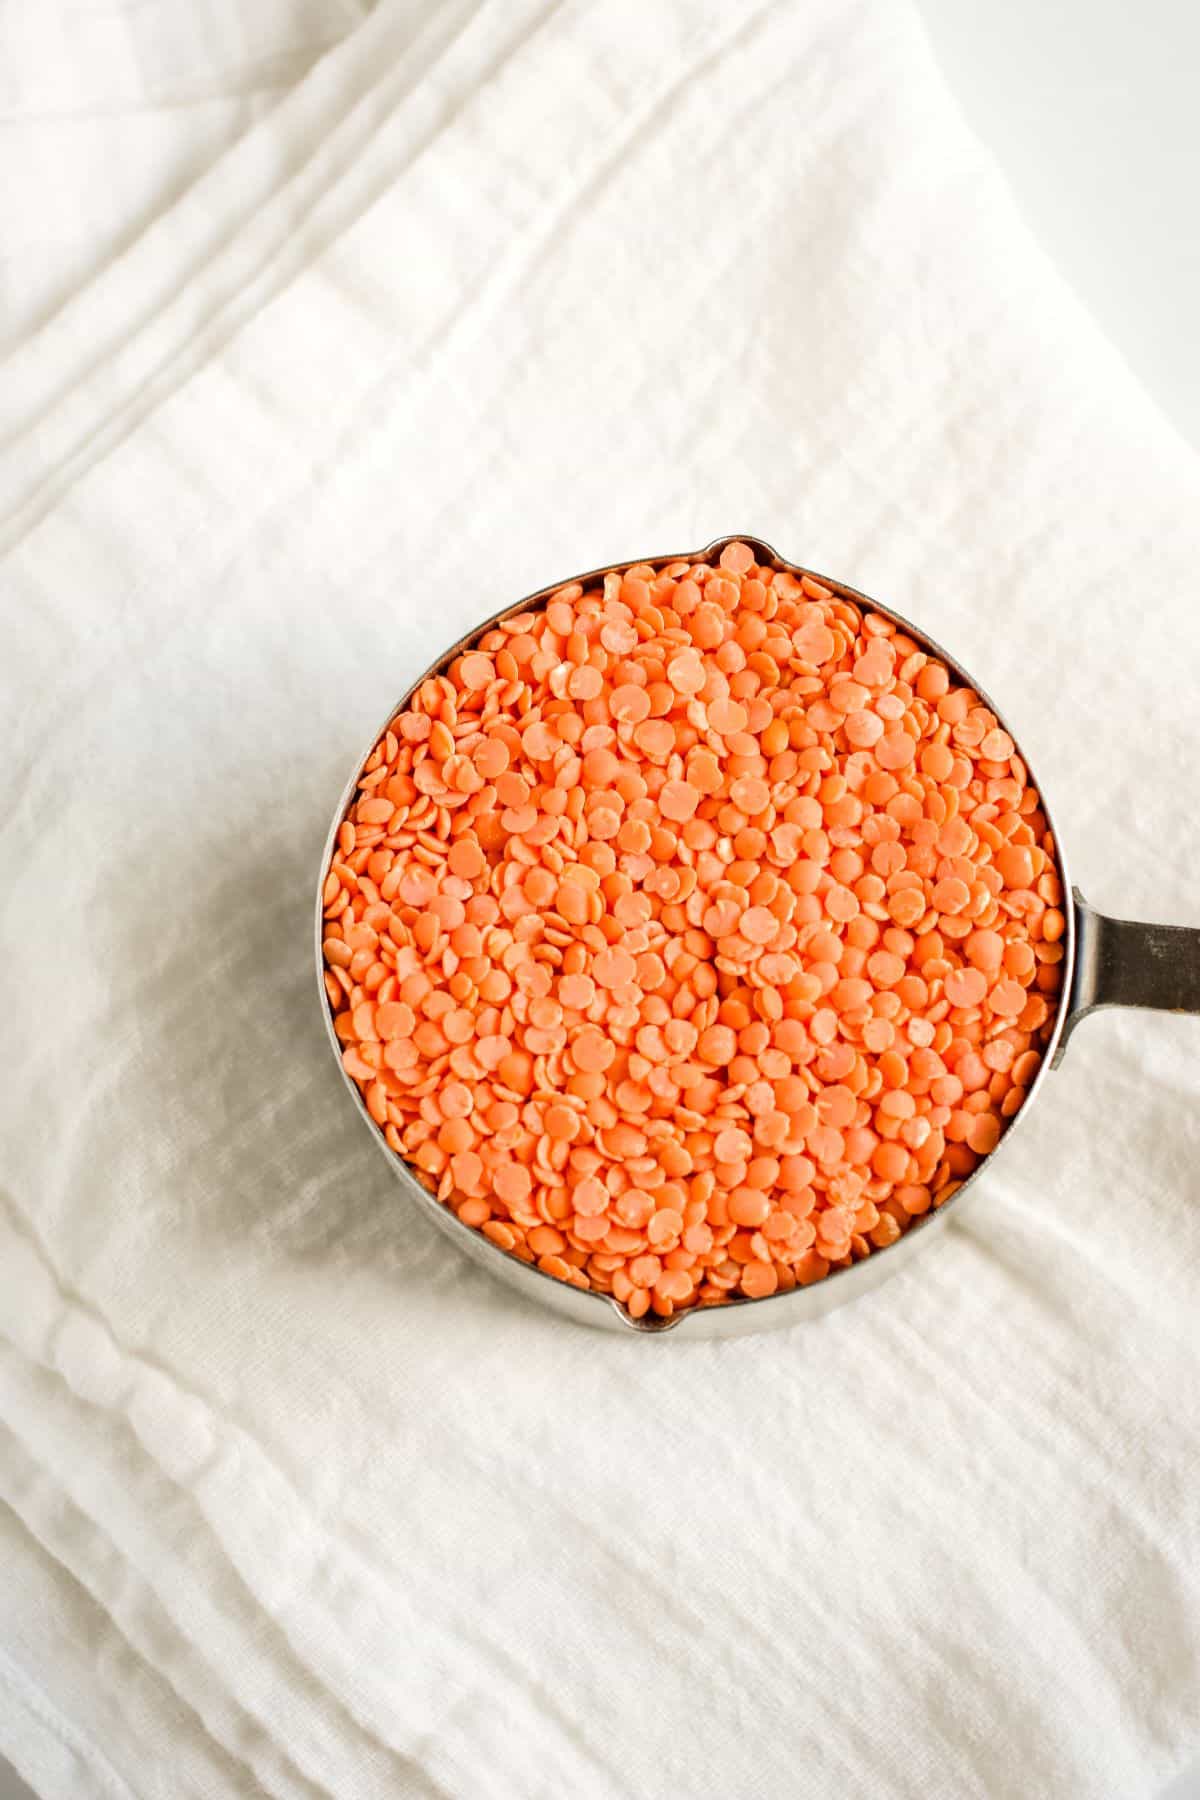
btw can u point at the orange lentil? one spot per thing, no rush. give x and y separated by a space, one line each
694 934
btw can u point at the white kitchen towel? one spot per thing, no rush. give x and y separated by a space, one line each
109 111
298 1501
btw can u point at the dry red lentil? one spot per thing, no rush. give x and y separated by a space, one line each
694 934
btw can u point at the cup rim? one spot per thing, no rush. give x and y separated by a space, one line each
739 1314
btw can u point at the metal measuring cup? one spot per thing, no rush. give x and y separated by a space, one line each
1106 962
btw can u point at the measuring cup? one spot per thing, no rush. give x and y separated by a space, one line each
1107 962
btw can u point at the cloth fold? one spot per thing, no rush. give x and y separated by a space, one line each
492 295
109 113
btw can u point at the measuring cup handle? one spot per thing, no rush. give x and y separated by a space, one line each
1121 962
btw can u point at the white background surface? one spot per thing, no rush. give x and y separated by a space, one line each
1090 109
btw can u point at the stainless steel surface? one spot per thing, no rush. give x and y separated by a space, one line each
1124 965
1121 962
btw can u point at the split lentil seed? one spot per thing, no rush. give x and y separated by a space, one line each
694 934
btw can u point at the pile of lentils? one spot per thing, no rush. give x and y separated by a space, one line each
694 934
